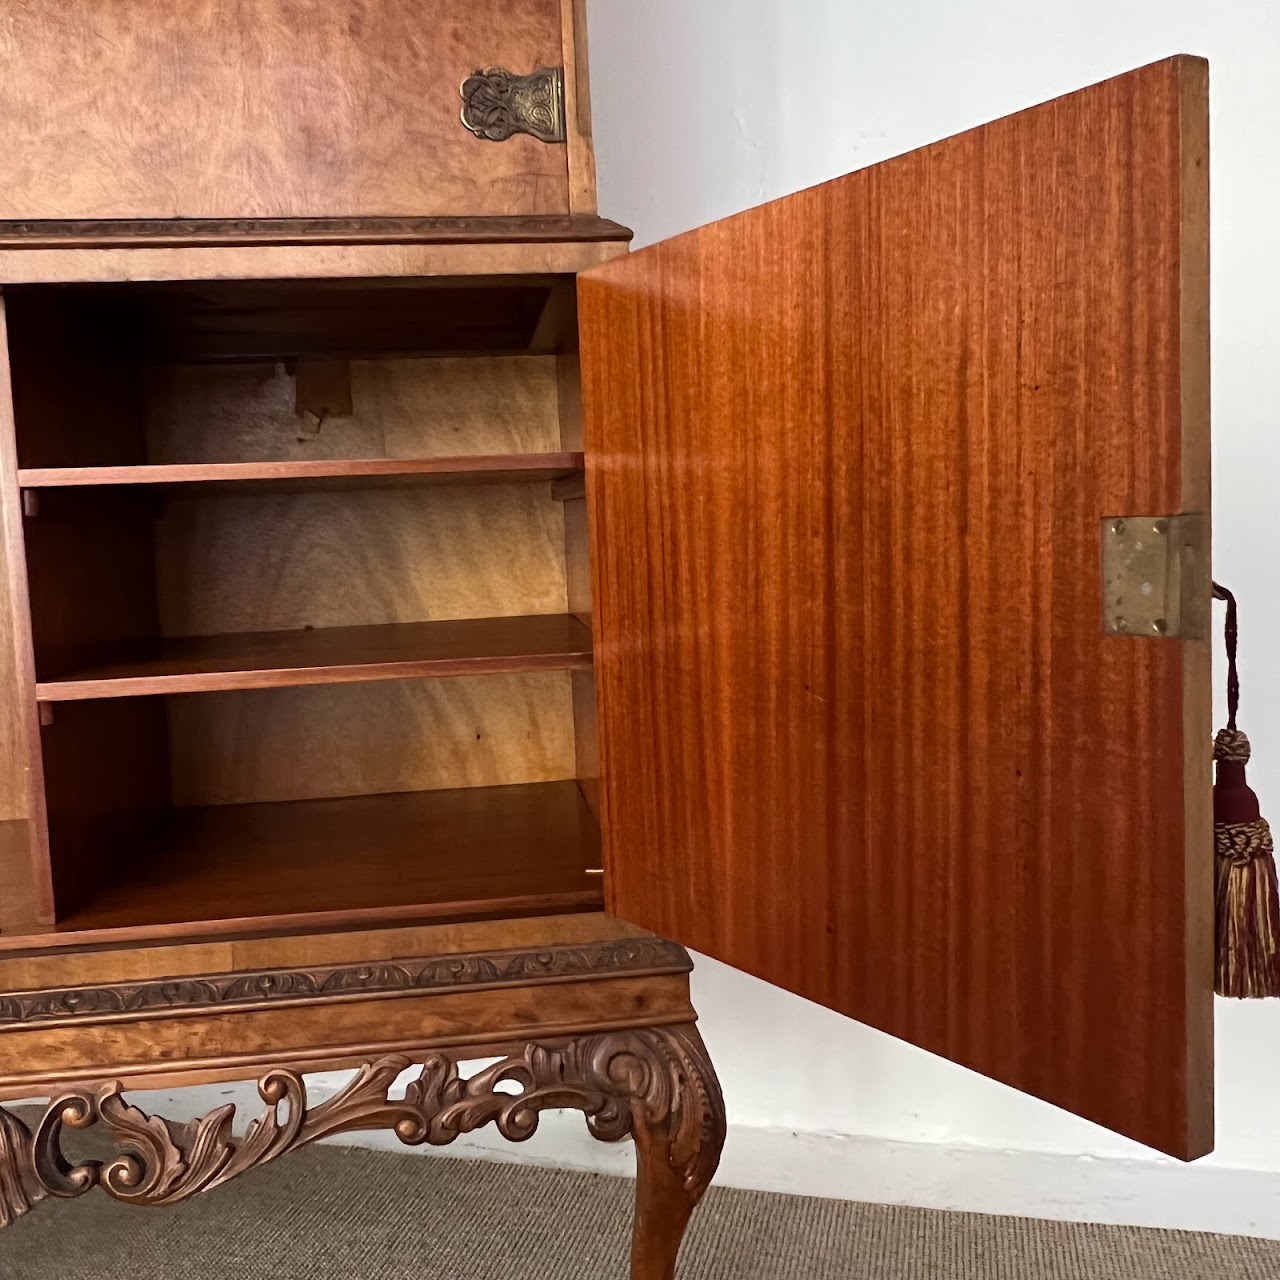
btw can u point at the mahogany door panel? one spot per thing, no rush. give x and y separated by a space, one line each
863 733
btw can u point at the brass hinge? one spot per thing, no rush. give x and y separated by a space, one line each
497 104
1155 576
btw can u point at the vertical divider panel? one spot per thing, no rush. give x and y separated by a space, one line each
26 886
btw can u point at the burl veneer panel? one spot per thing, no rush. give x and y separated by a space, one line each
267 108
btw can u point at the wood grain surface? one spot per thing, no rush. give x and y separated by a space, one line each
416 849
163 1054
376 261
331 655
267 108
862 732
401 409
352 739
26 968
276 562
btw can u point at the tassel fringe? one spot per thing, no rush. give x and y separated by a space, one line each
1246 893
1248 914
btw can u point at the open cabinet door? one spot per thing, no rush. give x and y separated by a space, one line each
869 729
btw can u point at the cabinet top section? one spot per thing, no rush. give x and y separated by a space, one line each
126 109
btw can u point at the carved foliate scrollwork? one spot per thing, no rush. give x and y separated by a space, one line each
659 1080
20 1190
496 105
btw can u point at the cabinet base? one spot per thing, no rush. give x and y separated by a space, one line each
655 1085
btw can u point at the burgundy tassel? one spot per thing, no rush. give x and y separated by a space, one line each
1246 899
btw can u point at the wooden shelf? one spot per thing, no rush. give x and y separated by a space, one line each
333 655
341 473
479 851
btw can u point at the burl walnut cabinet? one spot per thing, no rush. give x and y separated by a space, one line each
423 618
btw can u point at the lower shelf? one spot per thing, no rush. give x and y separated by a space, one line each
474 852
331 655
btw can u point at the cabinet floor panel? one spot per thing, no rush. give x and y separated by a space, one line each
325 473
473 852
331 655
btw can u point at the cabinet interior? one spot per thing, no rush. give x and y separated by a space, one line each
309 599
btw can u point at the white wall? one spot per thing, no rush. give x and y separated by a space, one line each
705 107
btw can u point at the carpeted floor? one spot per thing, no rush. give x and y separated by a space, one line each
338 1214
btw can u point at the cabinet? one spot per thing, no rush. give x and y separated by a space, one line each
427 618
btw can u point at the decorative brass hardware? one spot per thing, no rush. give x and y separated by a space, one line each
1155 576
497 104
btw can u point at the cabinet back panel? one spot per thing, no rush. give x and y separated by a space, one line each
267 108
275 562
343 740
421 408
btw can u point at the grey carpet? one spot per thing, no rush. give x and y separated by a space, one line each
337 1214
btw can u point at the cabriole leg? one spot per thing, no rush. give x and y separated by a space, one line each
678 1145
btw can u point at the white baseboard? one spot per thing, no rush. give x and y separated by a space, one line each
1148 1193
1205 1196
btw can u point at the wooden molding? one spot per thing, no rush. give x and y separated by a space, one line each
654 1084
152 233
254 988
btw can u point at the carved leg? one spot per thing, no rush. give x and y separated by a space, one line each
679 1132
653 1084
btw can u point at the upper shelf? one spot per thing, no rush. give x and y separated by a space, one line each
316 474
